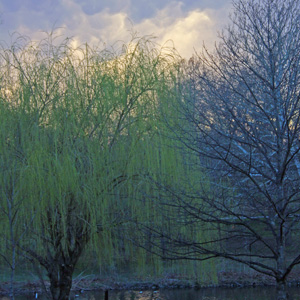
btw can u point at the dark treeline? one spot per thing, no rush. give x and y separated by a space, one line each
139 161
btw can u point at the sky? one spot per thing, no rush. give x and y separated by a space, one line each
188 23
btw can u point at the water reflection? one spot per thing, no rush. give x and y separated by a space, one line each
258 293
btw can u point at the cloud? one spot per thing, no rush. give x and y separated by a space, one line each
98 28
91 7
186 30
109 21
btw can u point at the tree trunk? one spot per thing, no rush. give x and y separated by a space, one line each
61 266
281 271
12 274
60 260
281 290
60 281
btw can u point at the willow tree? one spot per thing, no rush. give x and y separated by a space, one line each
161 164
242 107
76 120
11 185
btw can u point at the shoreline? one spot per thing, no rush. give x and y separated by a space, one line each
98 284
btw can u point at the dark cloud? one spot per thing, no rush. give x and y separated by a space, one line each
142 9
34 14
33 5
138 10
204 4
91 7
135 9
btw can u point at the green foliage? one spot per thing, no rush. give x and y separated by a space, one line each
81 133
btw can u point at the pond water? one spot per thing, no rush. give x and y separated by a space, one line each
257 293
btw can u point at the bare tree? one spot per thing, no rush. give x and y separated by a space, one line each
239 115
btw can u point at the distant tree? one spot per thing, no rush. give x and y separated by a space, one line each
239 116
